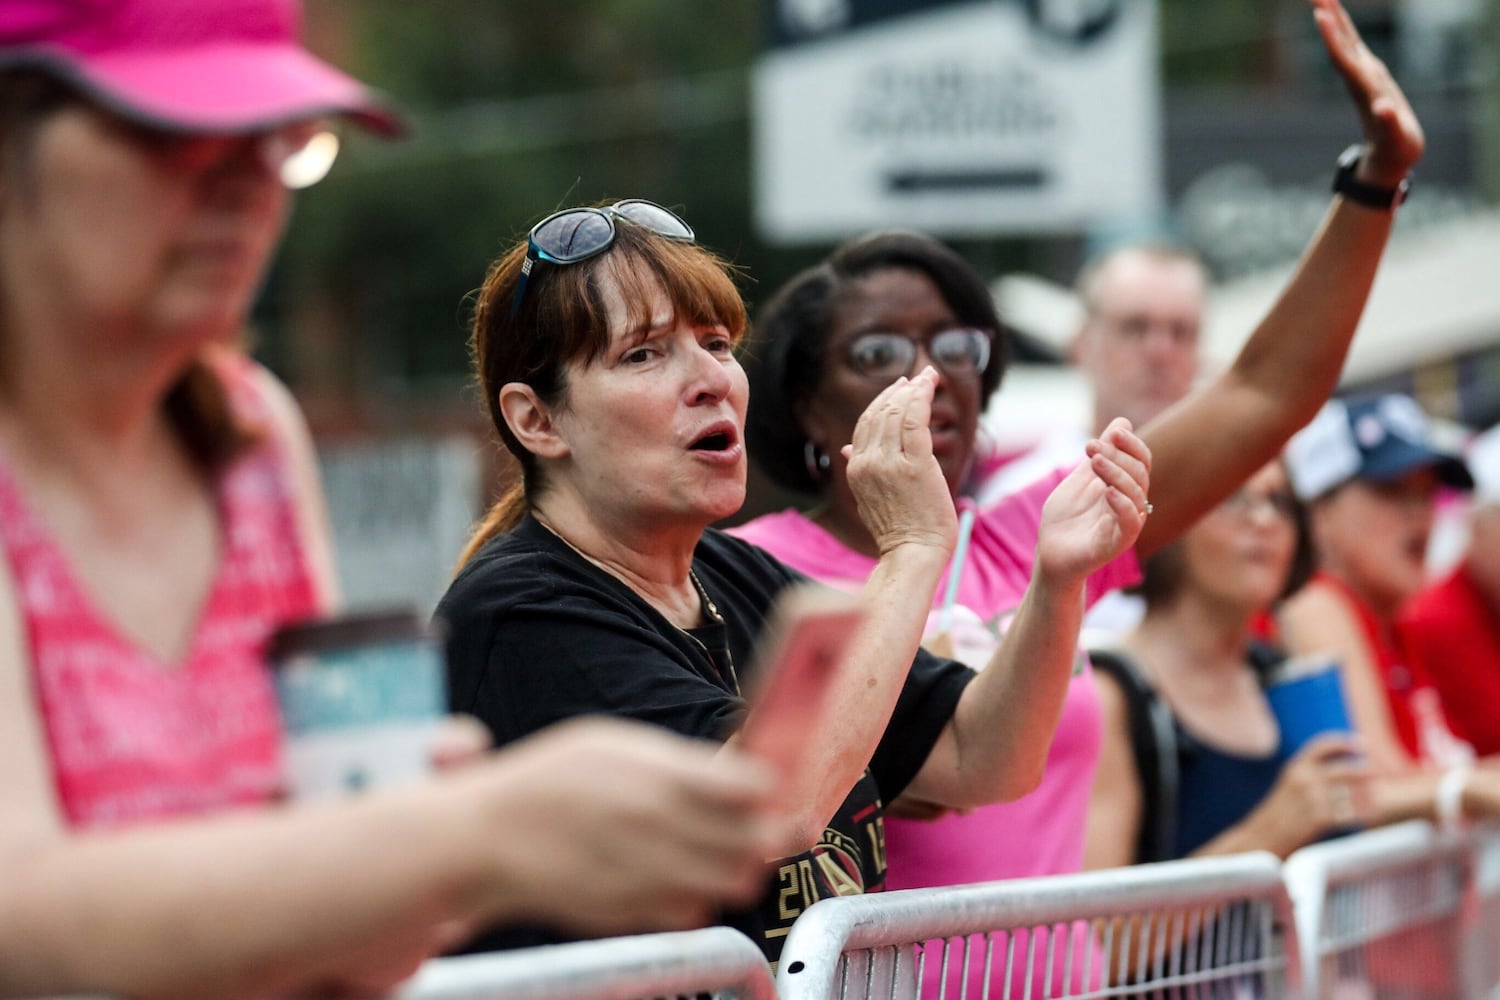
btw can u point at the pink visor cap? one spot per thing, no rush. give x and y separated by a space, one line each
187 65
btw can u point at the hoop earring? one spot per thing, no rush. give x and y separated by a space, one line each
816 460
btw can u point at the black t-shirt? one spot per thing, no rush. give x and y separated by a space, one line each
538 634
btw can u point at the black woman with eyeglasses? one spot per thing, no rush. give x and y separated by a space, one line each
605 346
835 337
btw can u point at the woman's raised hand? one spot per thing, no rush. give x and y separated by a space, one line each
1097 512
1392 132
899 486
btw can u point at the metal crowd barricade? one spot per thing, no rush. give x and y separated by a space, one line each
1383 915
1482 941
716 961
1211 928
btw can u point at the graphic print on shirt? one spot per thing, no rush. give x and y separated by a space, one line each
847 860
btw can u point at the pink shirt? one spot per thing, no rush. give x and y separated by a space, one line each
1041 833
130 737
997 571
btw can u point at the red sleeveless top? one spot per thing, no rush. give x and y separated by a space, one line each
133 738
1402 679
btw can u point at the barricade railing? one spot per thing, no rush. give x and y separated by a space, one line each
1402 913
1482 942
716 961
1386 914
1220 927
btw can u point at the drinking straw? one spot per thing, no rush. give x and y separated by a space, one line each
956 569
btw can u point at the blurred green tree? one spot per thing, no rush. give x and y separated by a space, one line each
520 108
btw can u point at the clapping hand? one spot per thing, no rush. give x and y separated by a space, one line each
1097 512
898 484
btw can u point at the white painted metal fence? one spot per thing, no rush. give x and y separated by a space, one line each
1187 929
1403 913
715 961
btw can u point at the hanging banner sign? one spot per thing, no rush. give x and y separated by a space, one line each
958 118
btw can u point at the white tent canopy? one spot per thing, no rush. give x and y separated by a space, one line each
1437 295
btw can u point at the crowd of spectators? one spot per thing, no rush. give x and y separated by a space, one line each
161 518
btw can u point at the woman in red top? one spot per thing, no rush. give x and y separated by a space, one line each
1451 630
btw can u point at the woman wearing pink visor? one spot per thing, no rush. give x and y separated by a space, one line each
160 517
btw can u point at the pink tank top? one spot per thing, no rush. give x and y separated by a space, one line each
133 738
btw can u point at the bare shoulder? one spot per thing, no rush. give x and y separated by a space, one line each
289 429
1316 618
1115 799
285 416
1111 698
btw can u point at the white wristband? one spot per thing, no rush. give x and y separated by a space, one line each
1449 800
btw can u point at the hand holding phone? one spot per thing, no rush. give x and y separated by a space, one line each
797 660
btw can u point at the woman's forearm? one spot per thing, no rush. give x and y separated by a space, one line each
1280 378
869 681
240 906
995 748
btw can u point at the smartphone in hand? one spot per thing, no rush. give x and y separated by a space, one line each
797 660
362 697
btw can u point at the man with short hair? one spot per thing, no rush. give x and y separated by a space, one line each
1143 313
1143 306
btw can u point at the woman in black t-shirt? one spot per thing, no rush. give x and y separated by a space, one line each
605 346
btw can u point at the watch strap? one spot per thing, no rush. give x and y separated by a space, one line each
1370 195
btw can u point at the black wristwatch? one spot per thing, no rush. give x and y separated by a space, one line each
1371 195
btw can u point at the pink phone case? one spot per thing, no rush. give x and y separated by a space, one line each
798 659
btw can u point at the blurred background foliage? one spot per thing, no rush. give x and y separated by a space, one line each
518 109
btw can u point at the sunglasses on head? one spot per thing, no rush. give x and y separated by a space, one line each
576 234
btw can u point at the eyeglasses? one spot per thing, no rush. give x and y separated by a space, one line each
960 352
1247 503
299 154
576 234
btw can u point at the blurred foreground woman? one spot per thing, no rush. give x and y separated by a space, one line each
160 517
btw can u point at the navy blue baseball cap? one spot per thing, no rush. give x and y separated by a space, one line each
1380 439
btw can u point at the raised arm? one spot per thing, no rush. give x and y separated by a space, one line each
1211 441
905 504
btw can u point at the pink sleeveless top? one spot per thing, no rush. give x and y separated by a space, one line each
130 737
